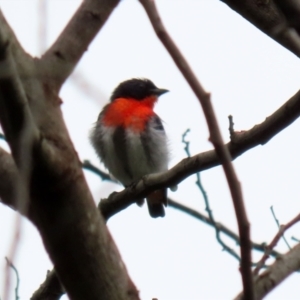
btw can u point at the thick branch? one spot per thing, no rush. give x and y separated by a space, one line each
9 178
16 119
265 15
275 274
60 60
61 206
291 11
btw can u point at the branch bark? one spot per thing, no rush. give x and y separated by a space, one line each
59 61
61 206
265 15
274 242
50 289
275 274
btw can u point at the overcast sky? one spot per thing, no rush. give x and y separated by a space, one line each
249 76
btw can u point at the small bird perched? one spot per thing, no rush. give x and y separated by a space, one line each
130 138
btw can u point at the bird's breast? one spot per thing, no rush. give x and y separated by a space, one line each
129 113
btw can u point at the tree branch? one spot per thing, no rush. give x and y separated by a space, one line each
215 138
222 228
9 178
291 11
271 246
50 289
265 15
275 274
61 206
60 60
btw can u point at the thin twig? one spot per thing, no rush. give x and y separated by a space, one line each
186 143
10 264
279 227
199 216
217 141
271 246
231 128
104 176
206 201
295 239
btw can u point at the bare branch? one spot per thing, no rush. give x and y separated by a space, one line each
196 214
271 246
50 289
291 11
10 264
222 228
278 224
275 274
207 204
62 57
61 206
215 138
265 15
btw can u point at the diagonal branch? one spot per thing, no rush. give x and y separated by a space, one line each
266 17
193 213
50 289
62 57
271 246
291 11
275 274
241 142
216 138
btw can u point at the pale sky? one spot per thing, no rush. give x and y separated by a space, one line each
249 76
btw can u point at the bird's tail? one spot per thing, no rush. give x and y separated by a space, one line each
156 202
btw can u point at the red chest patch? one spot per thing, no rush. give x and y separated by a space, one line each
129 113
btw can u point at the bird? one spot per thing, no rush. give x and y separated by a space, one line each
130 139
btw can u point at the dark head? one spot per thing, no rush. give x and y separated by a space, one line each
136 88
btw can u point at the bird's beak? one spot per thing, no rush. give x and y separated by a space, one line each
159 92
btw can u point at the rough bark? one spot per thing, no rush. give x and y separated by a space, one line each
265 15
60 204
